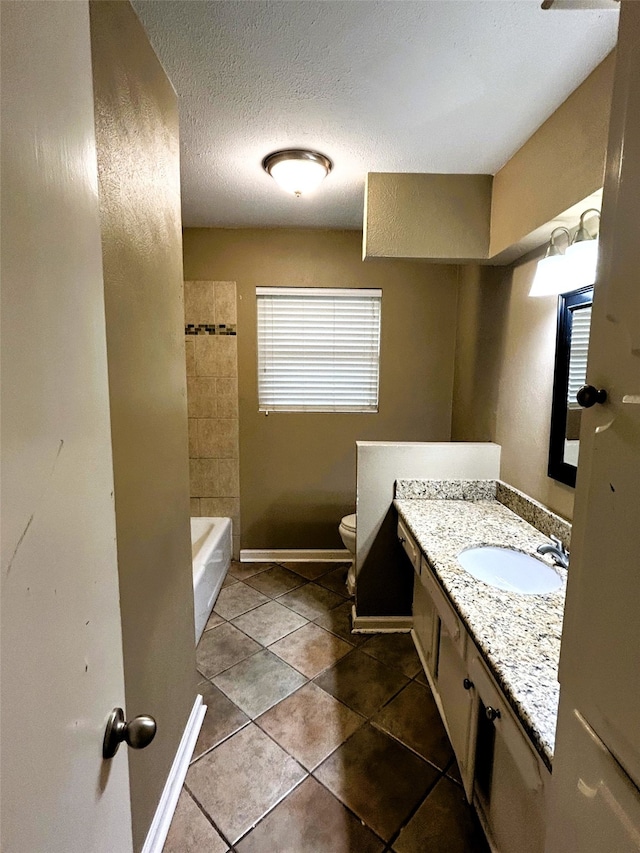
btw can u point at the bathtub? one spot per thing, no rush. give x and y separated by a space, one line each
211 555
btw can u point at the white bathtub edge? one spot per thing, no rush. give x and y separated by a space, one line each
209 568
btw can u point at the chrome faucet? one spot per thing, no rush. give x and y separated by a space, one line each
558 552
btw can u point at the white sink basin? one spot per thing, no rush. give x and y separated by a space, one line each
509 570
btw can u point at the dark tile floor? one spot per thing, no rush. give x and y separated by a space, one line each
316 740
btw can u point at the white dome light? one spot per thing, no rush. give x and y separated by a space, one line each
583 253
584 261
560 272
552 277
553 273
297 171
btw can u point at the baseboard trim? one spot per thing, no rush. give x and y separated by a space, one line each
380 624
294 555
161 822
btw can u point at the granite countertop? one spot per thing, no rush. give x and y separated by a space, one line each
518 635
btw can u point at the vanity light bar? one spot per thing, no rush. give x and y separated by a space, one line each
575 267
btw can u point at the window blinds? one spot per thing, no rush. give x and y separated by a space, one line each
318 349
580 328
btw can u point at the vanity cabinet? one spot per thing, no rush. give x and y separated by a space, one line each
426 628
448 677
411 548
458 704
441 642
501 772
510 778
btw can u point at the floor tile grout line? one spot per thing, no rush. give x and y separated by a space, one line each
253 654
243 660
335 633
395 695
441 773
309 775
224 739
320 672
413 812
408 746
275 805
226 669
379 707
310 619
262 648
362 821
284 604
450 765
329 754
208 817
293 630
349 809
309 679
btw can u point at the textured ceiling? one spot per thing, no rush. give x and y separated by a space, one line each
429 86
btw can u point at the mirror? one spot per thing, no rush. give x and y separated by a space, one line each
572 347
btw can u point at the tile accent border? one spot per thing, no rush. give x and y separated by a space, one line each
210 329
161 822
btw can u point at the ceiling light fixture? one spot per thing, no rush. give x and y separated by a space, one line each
297 170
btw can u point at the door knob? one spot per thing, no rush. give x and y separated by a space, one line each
467 684
588 396
137 733
492 713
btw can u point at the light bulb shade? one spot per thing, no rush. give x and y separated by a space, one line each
297 171
583 258
552 277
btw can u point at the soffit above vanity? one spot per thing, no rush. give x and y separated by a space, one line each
554 176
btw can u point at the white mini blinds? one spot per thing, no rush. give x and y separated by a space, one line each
579 351
318 349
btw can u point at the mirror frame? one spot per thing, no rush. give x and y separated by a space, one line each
567 302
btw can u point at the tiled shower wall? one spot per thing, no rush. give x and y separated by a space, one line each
212 398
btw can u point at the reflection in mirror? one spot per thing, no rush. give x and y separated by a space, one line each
572 347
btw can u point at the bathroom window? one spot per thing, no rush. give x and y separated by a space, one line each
318 349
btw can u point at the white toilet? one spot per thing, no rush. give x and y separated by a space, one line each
347 531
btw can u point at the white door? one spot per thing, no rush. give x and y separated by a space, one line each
61 635
596 772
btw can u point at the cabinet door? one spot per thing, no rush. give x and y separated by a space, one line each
426 628
410 545
459 706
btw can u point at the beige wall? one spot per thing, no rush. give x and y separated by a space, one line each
211 346
137 137
559 166
439 217
297 471
503 385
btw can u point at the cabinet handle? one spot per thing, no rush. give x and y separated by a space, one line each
467 684
401 540
492 713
